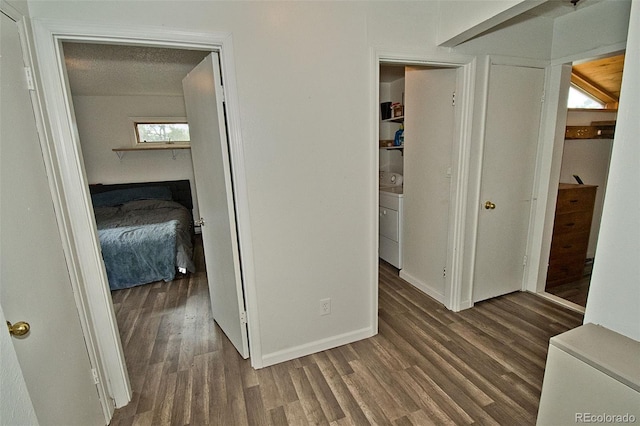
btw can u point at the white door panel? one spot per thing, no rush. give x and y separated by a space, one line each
511 140
34 282
429 135
212 171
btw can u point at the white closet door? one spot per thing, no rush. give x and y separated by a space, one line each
511 141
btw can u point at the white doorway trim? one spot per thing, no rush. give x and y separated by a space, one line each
548 165
456 296
79 226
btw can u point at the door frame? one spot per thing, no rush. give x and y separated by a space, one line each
71 186
548 165
456 292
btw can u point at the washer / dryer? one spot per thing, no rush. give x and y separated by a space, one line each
390 218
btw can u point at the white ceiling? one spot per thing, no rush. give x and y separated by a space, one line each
557 8
550 9
111 70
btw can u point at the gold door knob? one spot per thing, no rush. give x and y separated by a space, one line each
489 205
18 329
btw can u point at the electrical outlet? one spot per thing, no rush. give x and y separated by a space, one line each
325 306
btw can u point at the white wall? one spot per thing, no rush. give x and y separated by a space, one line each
589 159
575 34
522 37
302 72
305 108
103 124
458 20
614 295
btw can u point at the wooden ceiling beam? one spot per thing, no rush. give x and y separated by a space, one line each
609 99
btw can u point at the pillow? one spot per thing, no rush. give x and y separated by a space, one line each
138 205
121 196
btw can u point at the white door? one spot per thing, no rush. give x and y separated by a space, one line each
212 171
429 134
34 282
511 141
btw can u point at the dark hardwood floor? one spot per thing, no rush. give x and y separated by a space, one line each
426 366
575 292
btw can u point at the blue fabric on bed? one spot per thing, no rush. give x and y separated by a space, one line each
121 196
144 241
139 254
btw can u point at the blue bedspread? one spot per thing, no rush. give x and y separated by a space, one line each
144 241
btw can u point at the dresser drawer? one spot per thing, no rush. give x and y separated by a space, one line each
569 243
580 198
565 270
572 222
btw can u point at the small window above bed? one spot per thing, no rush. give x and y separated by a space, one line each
160 131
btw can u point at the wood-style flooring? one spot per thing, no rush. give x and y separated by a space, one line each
575 292
426 366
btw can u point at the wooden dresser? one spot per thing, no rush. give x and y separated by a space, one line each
571 227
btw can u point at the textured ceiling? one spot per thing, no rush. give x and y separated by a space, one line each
111 70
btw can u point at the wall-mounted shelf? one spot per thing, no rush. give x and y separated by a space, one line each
394 120
174 150
597 130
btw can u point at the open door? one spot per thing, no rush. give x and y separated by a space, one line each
429 135
212 170
35 286
511 141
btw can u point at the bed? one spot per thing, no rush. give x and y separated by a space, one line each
145 231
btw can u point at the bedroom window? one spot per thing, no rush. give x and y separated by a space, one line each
160 131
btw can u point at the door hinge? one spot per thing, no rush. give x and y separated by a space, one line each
542 98
243 317
444 272
199 222
224 97
96 379
453 99
524 260
29 77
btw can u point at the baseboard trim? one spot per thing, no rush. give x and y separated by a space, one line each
317 346
465 305
423 287
560 301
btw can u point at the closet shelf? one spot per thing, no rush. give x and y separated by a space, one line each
388 144
394 120
174 150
